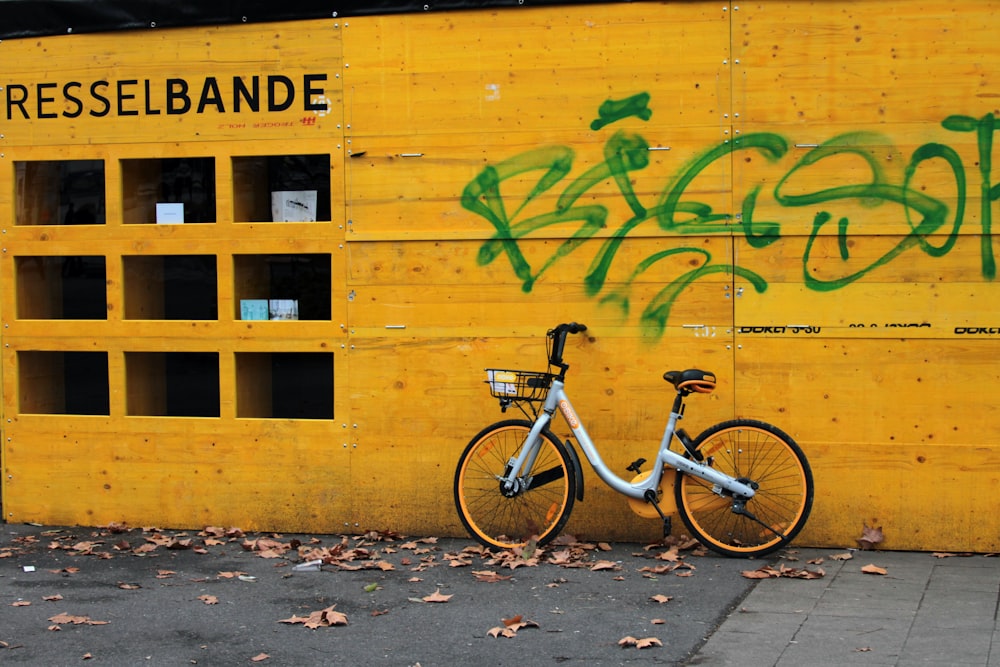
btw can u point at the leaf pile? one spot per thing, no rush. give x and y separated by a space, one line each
768 572
324 618
511 626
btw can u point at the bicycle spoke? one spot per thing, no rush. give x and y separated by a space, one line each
538 509
759 454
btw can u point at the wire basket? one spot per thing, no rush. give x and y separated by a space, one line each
518 385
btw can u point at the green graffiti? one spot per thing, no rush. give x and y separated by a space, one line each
615 110
933 228
876 192
984 128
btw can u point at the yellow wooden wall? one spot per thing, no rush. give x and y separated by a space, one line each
790 194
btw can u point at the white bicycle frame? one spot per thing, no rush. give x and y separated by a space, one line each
557 399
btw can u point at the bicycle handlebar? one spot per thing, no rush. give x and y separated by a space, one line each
558 336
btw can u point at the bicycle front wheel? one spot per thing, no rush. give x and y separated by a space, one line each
758 454
537 510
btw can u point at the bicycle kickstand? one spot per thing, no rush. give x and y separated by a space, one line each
650 497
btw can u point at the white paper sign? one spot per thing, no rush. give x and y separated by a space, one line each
293 206
169 214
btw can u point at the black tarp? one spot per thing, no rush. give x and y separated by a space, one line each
30 18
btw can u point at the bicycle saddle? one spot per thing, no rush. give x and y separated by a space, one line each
690 380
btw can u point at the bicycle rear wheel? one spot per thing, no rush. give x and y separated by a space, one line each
538 510
756 453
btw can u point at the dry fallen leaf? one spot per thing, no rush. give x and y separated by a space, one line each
661 598
768 572
874 569
501 632
65 618
317 619
847 555
260 657
765 572
209 599
646 642
870 536
511 626
605 565
437 596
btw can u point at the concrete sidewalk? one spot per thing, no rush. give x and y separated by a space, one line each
925 610
181 598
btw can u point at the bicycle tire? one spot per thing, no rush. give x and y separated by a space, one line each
751 450
537 513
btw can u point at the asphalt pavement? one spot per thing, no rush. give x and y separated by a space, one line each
120 596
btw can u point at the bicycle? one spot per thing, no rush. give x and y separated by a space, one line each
743 487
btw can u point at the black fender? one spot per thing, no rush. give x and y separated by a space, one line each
577 469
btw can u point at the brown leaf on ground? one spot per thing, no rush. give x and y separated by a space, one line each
319 619
437 596
53 598
260 657
646 642
501 632
870 536
768 572
765 572
672 555
511 626
209 599
874 569
662 599
605 565
65 618
847 555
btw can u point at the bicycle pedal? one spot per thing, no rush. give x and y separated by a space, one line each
636 465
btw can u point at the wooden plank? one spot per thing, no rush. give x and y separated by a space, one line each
815 63
415 75
154 475
871 392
